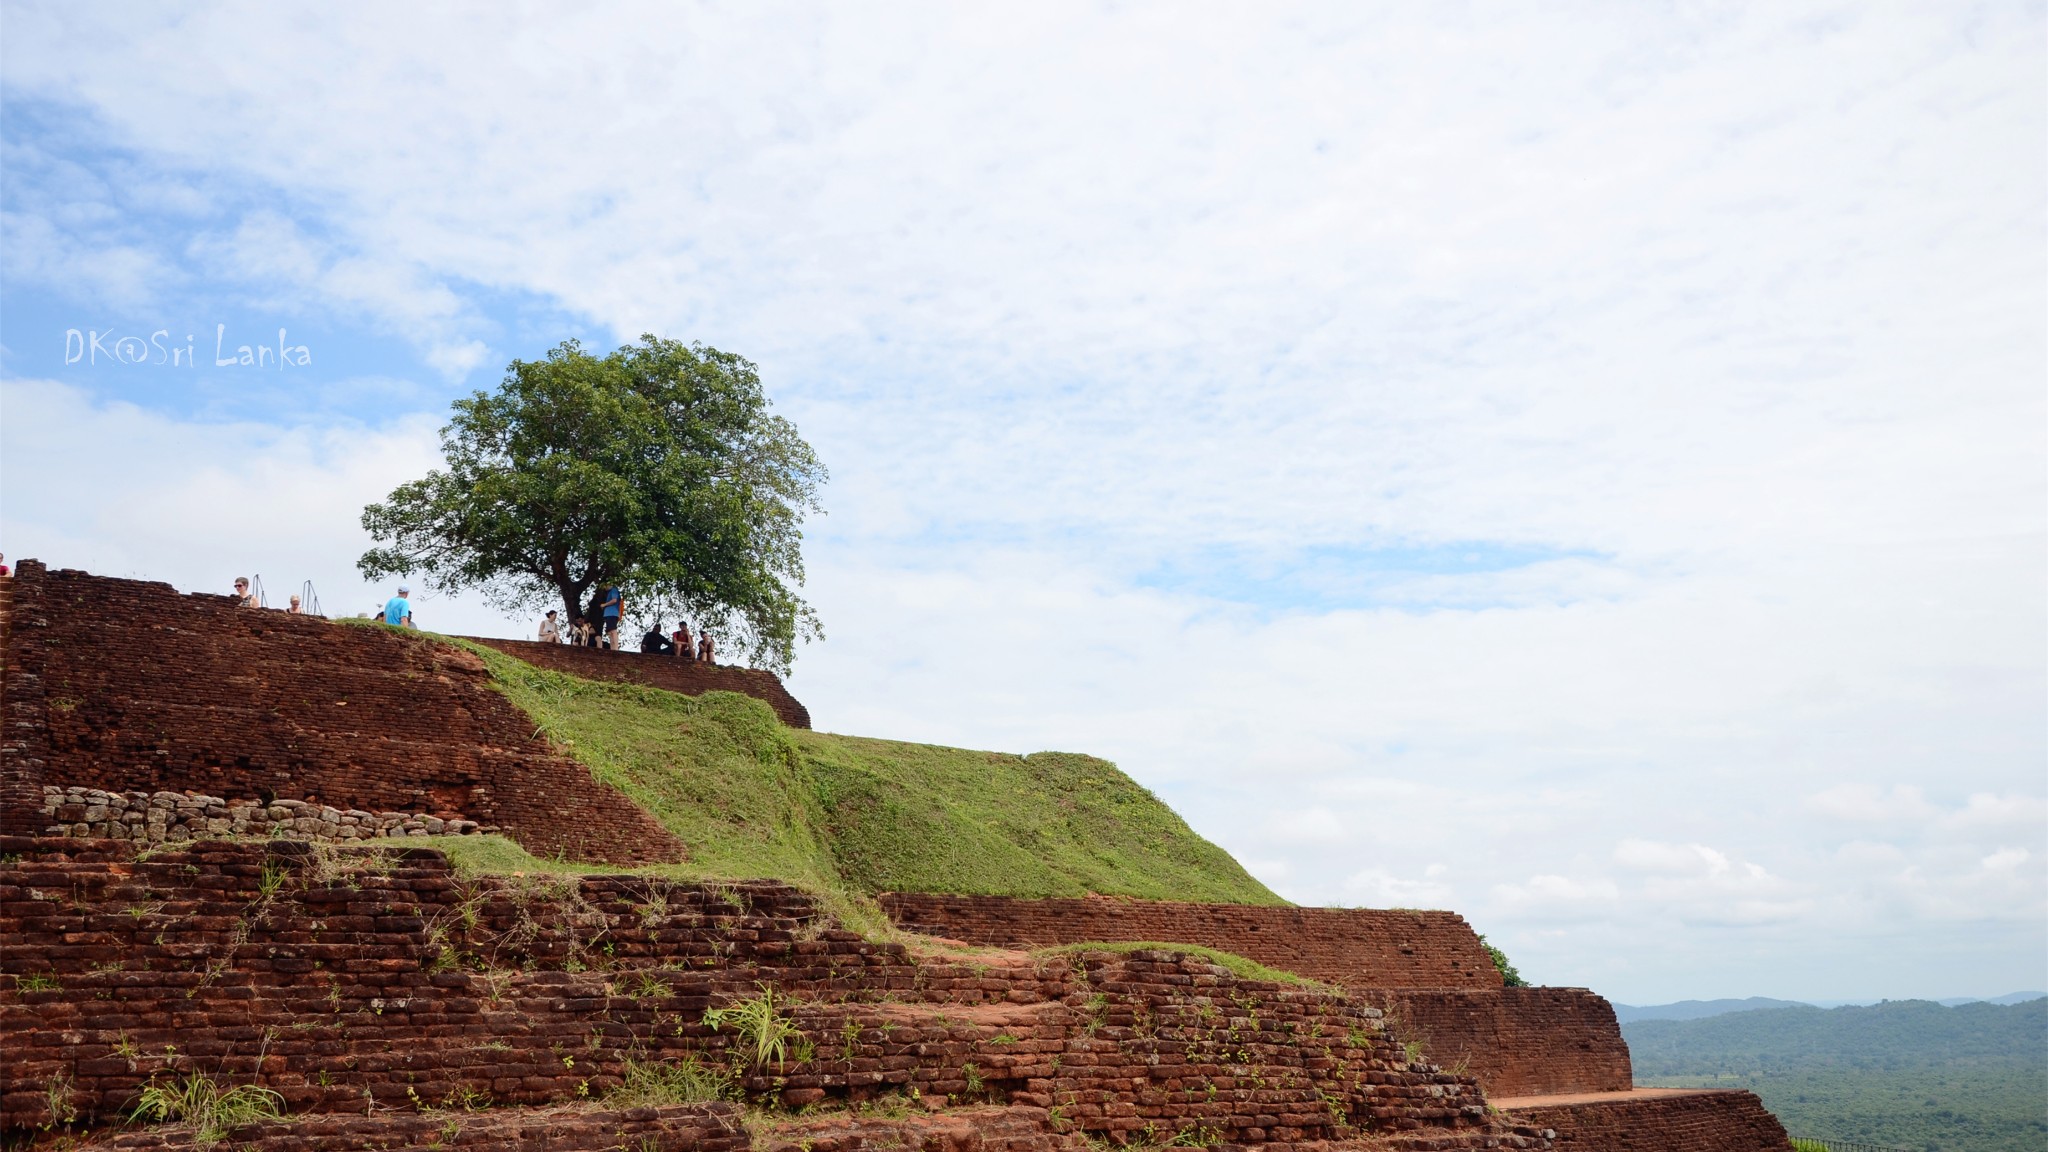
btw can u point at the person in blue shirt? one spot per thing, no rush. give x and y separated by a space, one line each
610 604
398 610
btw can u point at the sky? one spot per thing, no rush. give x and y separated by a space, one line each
1581 465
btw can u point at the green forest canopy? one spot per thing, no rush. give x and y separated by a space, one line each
1907 1073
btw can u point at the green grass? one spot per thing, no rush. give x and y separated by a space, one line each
857 816
1242 966
498 855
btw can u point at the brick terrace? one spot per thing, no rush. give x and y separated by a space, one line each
1655 1119
1428 969
127 686
685 676
1361 948
375 980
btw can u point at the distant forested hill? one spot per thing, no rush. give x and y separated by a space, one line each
1973 1078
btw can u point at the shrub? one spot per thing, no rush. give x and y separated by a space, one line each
1508 975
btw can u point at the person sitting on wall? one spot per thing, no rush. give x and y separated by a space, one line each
680 642
655 644
243 597
704 649
398 610
549 633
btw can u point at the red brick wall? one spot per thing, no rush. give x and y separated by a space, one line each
669 1128
128 686
1427 968
1517 1041
1354 947
378 977
633 667
1694 1121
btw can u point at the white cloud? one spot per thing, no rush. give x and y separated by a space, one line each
1552 898
2006 859
269 252
1651 856
1313 826
1863 803
198 504
1380 888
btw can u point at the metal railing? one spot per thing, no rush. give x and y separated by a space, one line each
1828 1144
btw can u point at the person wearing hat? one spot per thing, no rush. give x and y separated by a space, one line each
398 610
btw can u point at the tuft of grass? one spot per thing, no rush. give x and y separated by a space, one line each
766 1035
213 1111
684 1081
848 817
500 856
1243 967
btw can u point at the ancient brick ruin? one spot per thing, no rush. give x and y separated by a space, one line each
393 1003
171 817
1429 970
127 686
668 672
1357 948
380 984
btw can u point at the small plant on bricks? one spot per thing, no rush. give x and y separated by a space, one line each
765 1034
213 1111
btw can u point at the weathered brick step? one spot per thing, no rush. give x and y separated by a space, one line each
988 1129
671 1128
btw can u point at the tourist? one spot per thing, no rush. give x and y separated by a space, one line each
549 634
398 610
610 605
704 648
243 597
294 608
4 569
655 644
681 641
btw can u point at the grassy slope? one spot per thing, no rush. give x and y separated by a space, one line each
753 798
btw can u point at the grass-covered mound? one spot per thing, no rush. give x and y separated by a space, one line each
753 798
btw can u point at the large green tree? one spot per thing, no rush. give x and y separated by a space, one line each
658 468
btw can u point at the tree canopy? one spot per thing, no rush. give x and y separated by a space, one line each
657 468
